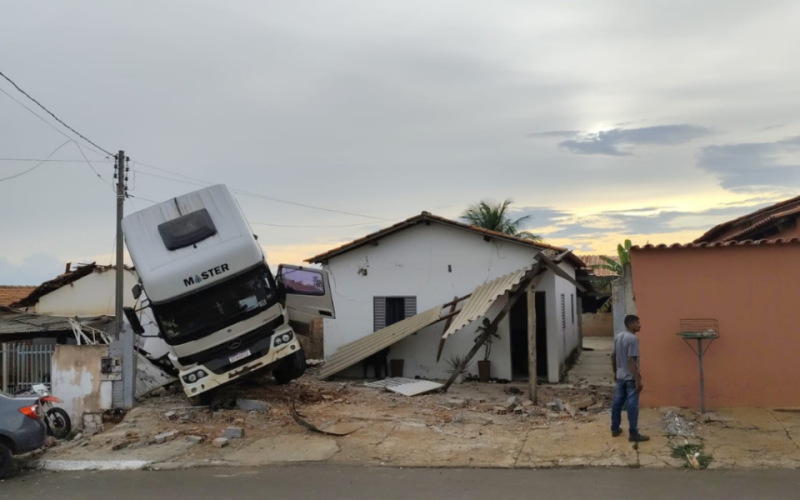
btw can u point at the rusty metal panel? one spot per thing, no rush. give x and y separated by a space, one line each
359 350
483 298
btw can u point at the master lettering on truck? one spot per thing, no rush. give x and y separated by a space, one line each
193 280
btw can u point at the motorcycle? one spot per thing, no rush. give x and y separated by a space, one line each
58 422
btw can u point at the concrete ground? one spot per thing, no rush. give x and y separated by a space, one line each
594 365
352 483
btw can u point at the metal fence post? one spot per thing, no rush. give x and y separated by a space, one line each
5 367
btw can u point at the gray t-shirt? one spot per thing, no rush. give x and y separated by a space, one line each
626 345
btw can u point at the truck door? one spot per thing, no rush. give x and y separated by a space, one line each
308 295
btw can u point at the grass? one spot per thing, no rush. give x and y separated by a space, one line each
687 450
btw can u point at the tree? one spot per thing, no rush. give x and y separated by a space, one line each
624 255
494 217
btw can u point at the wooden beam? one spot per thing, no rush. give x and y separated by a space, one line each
542 259
532 360
456 300
512 299
446 326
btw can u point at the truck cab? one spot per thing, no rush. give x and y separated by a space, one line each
217 304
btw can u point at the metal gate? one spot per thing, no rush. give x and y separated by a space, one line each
24 365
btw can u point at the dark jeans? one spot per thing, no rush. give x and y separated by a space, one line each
625 392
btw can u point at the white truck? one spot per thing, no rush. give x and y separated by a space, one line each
217 304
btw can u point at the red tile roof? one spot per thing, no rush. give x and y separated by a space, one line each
11 294
594 260
428 217
719 244
773 212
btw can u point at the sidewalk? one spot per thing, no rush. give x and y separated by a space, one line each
435 431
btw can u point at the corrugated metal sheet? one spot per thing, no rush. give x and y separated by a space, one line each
22 325
350 354
149 377
482 299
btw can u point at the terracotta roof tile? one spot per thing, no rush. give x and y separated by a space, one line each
779 241
11 294
426 216
714 231
594 260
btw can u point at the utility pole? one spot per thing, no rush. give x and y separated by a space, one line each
128 340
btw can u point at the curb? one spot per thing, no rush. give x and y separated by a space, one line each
83 465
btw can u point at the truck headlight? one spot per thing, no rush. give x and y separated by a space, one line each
194 376
286 337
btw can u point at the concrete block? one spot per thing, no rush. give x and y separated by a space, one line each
457 402
195 439
552 415
252 405
527 404
164 437
519 410
220 442
234 432
559 404
500 410
170 415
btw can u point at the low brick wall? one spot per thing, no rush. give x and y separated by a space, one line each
597 324
313 344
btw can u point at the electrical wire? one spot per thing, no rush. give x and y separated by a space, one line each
249 193
53 115
51 160
37 165
92 166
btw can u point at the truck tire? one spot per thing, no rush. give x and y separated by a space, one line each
292 367
5 460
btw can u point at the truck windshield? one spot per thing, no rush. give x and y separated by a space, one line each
215 308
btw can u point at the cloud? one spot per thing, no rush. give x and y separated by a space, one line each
752 166
539 216
609 142
556 133
33 270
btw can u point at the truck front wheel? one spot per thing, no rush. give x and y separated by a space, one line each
292 367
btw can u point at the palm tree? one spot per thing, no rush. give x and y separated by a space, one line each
494 217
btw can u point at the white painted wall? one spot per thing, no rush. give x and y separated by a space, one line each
414 262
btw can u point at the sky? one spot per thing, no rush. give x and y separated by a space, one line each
602 121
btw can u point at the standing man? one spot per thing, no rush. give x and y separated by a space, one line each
625 361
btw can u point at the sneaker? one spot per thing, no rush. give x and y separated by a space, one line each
616 433
638 438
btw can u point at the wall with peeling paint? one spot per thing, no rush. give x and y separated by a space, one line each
77 379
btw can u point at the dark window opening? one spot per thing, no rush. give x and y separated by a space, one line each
217 307
390 310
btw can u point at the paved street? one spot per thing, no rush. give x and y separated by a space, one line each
353 483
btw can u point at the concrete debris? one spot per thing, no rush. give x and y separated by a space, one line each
512 401
315 362
220 442
170 415
195 439
327 397
77 437
583 404
186 416
519 410
569 409
119 446
500 410
252 405
552 415
459 418
527 404
536 412
234 432
457 402
676 425
596 408
486 407
163 437
559 404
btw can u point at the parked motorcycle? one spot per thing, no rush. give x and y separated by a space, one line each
58 422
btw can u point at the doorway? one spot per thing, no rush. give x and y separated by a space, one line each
518 325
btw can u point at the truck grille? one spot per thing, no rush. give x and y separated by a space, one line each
249 340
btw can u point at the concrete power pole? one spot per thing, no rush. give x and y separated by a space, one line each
128 340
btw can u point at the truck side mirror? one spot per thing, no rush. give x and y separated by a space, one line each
138 329
137 291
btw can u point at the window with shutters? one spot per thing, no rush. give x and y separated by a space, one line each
390 310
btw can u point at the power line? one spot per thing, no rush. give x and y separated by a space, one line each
248 193
92 166
51 160
54 116
37 165
301 227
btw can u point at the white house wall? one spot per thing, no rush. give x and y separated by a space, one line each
91 295
414 262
